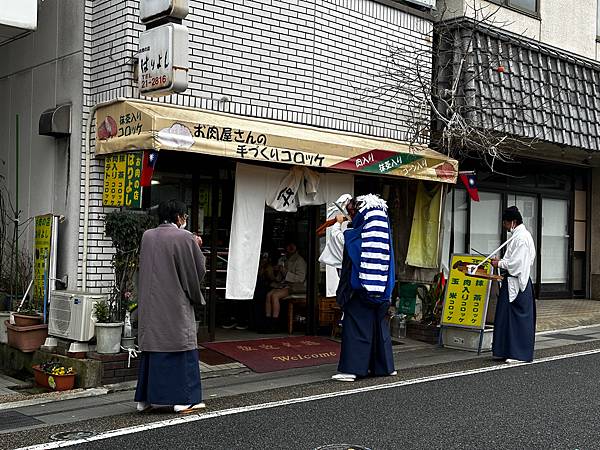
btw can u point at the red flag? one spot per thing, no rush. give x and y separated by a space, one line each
470 182
150 157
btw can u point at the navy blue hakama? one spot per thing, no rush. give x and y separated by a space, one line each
366 342
514 325
169 378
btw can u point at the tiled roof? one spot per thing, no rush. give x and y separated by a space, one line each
520 87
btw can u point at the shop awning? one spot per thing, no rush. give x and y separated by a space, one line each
135 125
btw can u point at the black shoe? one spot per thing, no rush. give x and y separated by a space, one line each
241 326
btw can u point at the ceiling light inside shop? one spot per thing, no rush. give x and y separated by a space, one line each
155 182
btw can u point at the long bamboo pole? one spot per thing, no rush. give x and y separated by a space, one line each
16 219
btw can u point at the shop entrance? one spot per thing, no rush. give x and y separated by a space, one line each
206 185
282 231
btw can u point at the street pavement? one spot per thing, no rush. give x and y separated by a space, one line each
413 412
550 405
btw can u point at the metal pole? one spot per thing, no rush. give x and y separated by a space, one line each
16 218
452 221
214 223
312 272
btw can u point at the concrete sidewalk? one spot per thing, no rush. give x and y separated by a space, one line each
551 315
80 405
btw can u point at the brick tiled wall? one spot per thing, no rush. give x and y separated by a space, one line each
312 62
115 369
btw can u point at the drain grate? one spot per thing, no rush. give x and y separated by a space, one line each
571 337
10 420
72 435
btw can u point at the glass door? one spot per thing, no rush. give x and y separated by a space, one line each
555 246
527 205
486 224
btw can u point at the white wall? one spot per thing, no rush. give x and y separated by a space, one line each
302 61
42 70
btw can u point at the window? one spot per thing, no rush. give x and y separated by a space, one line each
522 5
555 241
486 223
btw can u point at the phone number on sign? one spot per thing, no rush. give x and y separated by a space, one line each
152 82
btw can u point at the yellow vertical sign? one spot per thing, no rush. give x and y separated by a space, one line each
133 188
465 302
115 171
43 239
122 180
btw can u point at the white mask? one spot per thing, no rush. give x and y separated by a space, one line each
183 225
512 228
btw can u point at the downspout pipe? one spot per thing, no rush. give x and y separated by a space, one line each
86 186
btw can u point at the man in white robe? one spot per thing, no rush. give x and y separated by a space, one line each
514 324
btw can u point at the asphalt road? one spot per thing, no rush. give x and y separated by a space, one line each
550 405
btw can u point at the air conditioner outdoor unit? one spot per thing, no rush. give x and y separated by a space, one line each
71 315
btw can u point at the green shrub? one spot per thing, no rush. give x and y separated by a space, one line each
125 229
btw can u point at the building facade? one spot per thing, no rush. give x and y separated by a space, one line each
530 78
302 63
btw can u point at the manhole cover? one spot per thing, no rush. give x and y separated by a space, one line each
72 435
342 447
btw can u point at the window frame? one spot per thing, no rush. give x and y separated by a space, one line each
508 5
598 22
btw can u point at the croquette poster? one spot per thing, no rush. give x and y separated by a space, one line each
41 259
122 180
466 300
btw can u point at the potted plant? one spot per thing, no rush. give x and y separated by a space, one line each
27 316
27 333
432 297
54 375
108 332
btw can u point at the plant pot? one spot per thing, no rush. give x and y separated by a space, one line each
54 382
26 339
23 320
4 316
422 332
108 337
128 342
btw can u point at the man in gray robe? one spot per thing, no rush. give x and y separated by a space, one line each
171 271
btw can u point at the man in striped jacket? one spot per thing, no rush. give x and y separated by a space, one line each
365 290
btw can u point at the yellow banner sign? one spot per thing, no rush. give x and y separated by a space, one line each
41 263
131 125
465 303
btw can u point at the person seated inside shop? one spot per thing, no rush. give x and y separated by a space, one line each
291 274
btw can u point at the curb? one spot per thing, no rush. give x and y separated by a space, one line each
55 396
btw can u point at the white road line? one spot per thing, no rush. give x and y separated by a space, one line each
580 327
244 409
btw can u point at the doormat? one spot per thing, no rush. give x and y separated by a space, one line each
271 355
212 358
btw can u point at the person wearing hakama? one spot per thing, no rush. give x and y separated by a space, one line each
171 271
364 292
514 323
